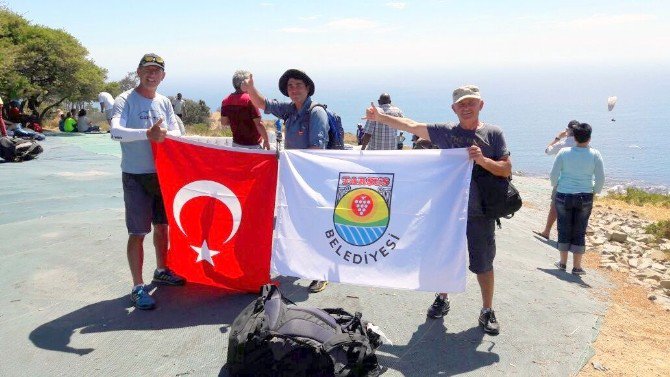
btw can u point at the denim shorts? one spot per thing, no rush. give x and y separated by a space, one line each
143 201
481 234
573 212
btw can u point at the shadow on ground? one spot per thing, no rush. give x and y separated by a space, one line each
433 351
565 276
177 307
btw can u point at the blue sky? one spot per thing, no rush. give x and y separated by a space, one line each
208 40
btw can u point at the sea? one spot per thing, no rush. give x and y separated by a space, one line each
532 106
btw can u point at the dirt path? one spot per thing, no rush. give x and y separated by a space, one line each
635 337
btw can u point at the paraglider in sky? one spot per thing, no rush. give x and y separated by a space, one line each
611 101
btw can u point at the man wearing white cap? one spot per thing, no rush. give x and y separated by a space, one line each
486 146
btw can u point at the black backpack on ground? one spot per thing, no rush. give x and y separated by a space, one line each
498 195
274 337
17 149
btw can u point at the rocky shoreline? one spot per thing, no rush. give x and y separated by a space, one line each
620 239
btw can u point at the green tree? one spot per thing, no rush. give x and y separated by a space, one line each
196 112
129 82
44 65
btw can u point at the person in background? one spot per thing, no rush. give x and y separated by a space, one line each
106 106
562 140
179 106
486 145
69 124
401 141
61 122
244 119
359 133
3 128
85 125
306 127
379 136
578 173
137 118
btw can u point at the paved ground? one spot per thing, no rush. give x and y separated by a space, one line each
64 283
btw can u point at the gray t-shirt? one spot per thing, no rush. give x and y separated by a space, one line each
135 112
487 137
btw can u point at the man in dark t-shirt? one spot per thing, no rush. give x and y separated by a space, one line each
486 146
243 117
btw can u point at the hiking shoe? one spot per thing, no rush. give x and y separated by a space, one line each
141 299
439 308
167 277
560 266
317 286
578 271
488 322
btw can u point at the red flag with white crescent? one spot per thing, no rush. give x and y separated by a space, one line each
220 207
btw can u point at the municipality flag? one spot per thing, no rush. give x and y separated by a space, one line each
394 219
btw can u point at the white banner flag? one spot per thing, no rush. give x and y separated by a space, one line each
393 219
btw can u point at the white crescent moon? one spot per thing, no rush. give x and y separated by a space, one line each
214 190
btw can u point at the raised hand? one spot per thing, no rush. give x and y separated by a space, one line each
248 83
157 133
371 113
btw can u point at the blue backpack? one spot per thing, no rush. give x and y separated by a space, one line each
335 129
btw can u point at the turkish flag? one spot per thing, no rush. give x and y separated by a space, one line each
220 206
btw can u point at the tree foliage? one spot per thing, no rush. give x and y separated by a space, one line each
44 65
196 112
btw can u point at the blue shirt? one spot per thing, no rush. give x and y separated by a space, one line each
578 170
301 131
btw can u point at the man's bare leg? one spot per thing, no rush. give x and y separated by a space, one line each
135 251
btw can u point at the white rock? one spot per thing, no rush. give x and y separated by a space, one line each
617 236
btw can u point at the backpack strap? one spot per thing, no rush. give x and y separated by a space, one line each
316 104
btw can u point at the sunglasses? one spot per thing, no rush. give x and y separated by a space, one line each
153 59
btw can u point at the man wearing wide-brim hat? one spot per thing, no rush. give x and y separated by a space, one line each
306 125
487 147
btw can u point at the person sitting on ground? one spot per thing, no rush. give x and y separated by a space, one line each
69 124
562 140
578 173
85 125
61 122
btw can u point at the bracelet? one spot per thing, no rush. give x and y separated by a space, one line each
557 138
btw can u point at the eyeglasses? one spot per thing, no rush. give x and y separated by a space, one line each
152 59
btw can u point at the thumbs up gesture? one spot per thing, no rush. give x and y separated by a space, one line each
157 133
371 113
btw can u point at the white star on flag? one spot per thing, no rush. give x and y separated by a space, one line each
204 253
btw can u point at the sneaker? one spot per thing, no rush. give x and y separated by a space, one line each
141 299
578 271
167 277
560 266
439 308
317 286
488 322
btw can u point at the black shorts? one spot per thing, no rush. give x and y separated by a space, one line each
143 201
481 234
